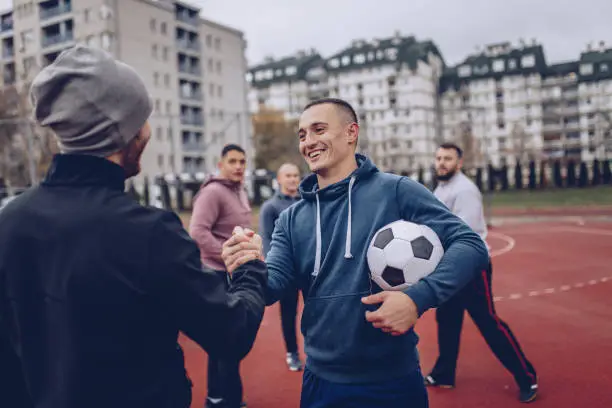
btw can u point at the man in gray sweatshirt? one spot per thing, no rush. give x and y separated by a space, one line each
463 198
288 177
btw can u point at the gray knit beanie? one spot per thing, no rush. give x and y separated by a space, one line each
93 103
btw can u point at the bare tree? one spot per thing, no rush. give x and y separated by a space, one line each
275 140
26 148
472 152
521 146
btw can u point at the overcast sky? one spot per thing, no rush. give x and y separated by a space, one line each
280 27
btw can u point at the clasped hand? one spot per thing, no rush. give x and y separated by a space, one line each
397 314
243 246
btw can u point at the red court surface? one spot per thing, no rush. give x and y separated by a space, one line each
553 286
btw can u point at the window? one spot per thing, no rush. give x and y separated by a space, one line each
292 70
92 41
218 67
165 54
359 59
153 24
86 15
168 107
528 61
155 78
512 64
586 69
334 63
218 44
158 133
498 65
346 60
27 38
464 71
106 41
391 53
209 41
167 79
249 76
603 67
220 91
160 160
154 51
163 28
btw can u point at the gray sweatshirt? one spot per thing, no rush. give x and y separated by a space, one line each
463 198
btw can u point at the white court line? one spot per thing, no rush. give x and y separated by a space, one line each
510 243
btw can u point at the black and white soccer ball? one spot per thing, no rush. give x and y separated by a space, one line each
401 253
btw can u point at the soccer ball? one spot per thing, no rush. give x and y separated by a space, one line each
401 253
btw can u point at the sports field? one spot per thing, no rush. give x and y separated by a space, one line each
553 285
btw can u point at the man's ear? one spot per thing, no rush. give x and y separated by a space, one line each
352 133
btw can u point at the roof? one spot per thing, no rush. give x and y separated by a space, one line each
396 49
486 65
290 68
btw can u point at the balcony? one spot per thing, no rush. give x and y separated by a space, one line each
8 53
187 18
47 13
189 70
184 44
188 120
55 39
6 26
193 147
551 127
192 96
570 95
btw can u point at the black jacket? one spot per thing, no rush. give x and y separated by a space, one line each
94 289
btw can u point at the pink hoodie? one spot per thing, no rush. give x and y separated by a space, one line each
219 206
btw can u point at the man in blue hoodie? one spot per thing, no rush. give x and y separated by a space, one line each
288 177
359 340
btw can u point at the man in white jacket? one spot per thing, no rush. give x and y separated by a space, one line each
463 198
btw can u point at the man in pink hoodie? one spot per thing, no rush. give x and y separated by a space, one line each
220 205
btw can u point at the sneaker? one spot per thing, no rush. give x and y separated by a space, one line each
293 362
432 382
528 394
219 403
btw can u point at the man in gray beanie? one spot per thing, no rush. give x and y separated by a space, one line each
94 287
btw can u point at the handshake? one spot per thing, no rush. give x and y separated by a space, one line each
243 246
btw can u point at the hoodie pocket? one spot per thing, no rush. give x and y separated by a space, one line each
337 334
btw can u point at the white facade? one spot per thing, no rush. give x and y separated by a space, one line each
194 68
391 83
524 111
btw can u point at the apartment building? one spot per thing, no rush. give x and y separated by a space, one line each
513 104
505 102
226 90
171 47
391 82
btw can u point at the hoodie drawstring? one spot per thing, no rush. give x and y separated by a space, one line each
349 222
347 252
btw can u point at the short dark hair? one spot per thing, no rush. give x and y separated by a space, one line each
231 147
341 103
449 145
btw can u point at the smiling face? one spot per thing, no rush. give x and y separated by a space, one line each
328 138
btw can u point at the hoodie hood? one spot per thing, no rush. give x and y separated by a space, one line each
309 190
237 188
309 187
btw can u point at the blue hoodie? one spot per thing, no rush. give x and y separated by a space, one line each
320 245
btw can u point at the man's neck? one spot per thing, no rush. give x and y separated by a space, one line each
332 176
